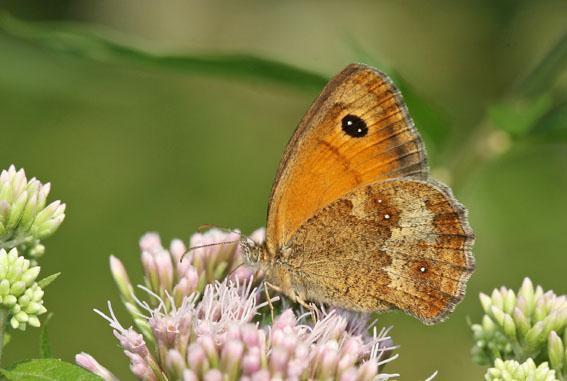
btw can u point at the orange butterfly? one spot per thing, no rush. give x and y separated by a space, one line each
354 220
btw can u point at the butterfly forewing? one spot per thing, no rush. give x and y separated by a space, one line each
357 132
400 244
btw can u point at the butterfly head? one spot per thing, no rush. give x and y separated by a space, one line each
251 251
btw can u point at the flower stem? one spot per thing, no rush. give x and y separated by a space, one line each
3 321
12 243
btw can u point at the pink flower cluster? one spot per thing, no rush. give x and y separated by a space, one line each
216 339
215 332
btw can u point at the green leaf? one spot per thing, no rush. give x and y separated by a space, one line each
47 370
94 43
546 71
553 125
519 116
44 346
47 280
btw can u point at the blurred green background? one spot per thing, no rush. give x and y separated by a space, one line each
135 142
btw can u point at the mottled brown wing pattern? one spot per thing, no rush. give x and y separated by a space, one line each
400 244
323 162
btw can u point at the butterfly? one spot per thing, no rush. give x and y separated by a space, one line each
354 220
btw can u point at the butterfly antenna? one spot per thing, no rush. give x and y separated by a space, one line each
206 245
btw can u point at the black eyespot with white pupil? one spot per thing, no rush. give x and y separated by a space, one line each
354 126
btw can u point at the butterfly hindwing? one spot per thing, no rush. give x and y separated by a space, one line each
400 244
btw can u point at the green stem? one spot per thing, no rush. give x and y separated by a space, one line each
3 321
13 243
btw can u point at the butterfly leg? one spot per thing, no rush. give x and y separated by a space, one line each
299 298
308 306
269 299
295 297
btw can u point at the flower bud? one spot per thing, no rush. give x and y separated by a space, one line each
286 319
89 363
329 363
556 351
250 335
278 360
262 375
509 326
497 299
196 358
527 291
521 322
509 301
150 242
177 249
121 278
349 375
497 314
536 335
174 363
251 362
231 356
213 375
189 375
208 345
486 302
150 270
164 269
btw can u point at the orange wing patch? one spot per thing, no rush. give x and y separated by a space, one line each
358 131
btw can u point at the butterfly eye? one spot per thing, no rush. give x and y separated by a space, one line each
354 126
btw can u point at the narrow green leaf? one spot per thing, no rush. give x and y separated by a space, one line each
546 71
44 345
553 125
95 43
519 116
47 280
47 370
